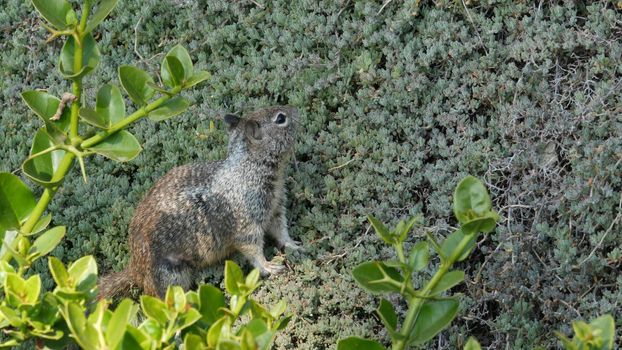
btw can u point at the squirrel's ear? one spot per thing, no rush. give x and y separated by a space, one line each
232 120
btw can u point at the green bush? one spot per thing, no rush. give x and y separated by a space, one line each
395 107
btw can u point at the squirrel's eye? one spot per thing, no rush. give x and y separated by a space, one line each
280 118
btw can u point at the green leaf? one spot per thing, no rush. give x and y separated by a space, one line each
154 308
450 244
278 309
448 280
120 146
11 316
376 277
211 300
33 290
197 78
135 339
41 167
14 287
103 9
83 272
606 325
472 344
252 279
354 343
261 333
233 277
471 200
175 299
387 314
172 71
59 273
381 230
90 57
45 106
56 12
76 321
153 329
419 256
435 315
215 331
567 343
188 318
115 329
41 225
193 342
484 224
169 109
109 109
16 202
176 67
46 242
136 84
406 227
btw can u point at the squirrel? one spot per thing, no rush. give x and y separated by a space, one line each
197 214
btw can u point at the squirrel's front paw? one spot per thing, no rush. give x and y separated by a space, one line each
291 244
270 268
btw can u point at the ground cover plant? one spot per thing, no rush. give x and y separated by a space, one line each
72 314
398 103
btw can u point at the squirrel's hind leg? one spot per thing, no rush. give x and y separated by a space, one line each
278 230
169 271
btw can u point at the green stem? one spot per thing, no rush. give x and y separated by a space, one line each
101 136
77 83
399 249
417 301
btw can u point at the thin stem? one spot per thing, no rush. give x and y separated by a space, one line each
418 300
399 249
77 83
99 137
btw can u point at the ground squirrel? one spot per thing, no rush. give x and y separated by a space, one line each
197 214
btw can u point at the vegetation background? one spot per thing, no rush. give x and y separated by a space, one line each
397 103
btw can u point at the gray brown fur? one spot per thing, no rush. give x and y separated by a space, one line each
198 214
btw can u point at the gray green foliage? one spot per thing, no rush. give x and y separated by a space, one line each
395 107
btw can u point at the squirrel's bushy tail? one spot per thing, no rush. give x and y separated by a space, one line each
115 284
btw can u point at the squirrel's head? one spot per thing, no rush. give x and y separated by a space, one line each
266 134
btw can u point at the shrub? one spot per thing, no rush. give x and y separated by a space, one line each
395 107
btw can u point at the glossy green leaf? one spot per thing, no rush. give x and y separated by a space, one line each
104 7
41 225
278 309
434 316
355 343
83 272
263 336
120 146
154 308
109 108
376 277
381 230
46 242
136 84
484 224
387 314
57 12
176 67
172 71
175 299
233 277
187 319
252 279
471 200
90 57
215 331
14 286
33 290
448 280
605 325
419 256
197 78
152 328
135 339
76 321
169 109
41 167
11 316
45 106
211 299
59 272
194 342
450 245
115 329
472 344
16 202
